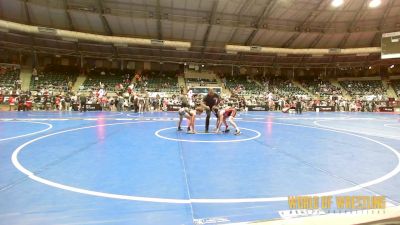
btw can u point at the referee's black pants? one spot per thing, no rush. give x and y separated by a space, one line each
208 112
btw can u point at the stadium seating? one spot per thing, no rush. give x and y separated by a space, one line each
7 80
203 78
244 86
284 87
93 82
54 77
396 86
200 81
164 82
51 80
363 88
321 87
109 77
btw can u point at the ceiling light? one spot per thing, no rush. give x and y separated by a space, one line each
337 3
374 3
391 67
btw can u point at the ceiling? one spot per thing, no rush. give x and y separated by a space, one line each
208 24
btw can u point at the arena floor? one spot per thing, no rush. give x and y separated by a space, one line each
125 168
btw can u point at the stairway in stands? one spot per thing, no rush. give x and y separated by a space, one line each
182 83
207 75
297 84
391 93
79 81
25 76
344 91
225 90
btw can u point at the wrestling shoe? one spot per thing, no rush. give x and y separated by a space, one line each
180 129
227 131
237 132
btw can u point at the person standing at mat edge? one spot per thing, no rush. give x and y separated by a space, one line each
82 99
209 101
299 107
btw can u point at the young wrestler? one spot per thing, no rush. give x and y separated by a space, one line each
184 107
215 110
190 115
230 113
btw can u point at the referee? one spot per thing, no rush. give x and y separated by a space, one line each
209 101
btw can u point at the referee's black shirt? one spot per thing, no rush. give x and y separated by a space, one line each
211 100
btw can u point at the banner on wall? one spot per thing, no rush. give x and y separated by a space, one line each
325 108
257 108
386 109
4 98
89 107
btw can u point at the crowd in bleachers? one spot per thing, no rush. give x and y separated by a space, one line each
242 85
365 89
284 87
56 78
321 87
10 81
51 89
112 89
107 79
200 82
396 86
155 81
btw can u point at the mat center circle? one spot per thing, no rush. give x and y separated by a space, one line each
171 134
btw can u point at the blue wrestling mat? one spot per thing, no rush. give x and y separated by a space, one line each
127 168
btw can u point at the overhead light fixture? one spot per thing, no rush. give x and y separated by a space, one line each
374 3
391 67
370 67
337 3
